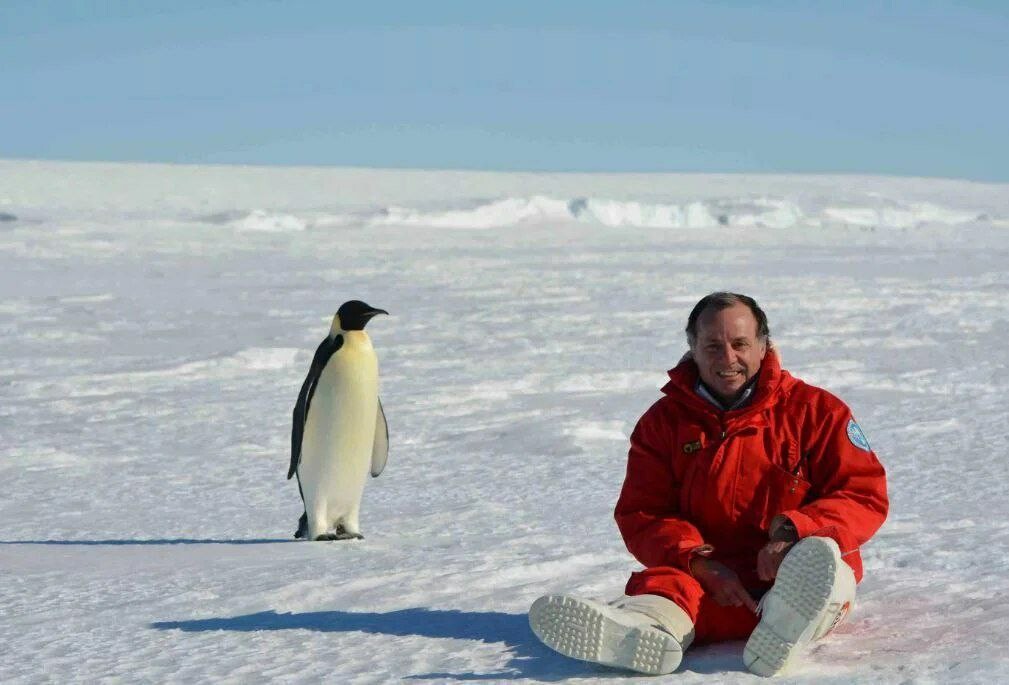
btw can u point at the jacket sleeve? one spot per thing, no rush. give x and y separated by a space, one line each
647 511
849 482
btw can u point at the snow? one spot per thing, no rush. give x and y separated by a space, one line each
157 322
262 220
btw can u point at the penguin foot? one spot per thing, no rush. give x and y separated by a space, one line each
339 535
344 535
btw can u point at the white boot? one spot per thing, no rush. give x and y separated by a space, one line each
643 633
813 592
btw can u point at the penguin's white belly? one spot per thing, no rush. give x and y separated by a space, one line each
339 438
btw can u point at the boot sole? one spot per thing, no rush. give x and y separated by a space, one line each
589 631
799 603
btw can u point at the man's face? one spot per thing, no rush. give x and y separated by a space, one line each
727 350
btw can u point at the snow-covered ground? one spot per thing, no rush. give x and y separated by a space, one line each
157 322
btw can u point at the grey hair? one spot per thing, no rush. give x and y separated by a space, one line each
723 300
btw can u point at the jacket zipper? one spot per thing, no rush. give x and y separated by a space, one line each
696 498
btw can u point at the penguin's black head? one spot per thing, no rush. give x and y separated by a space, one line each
355 315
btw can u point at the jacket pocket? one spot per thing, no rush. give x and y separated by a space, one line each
784 491
766 487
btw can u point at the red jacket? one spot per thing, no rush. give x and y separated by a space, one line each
700 476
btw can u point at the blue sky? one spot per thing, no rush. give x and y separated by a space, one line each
914 88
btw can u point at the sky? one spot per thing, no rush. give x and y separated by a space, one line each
911 89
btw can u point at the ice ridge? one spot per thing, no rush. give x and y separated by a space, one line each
755 212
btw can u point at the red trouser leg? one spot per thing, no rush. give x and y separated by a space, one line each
712 621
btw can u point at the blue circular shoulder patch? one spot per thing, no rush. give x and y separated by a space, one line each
856 436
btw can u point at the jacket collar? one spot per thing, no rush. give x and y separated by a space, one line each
770 380
744 398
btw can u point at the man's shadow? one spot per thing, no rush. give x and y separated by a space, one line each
530 659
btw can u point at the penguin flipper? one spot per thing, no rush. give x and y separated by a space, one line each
380 449
300 415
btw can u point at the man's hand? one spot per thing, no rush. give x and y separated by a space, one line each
769 558
721 582
783 535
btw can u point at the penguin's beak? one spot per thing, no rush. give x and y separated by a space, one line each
368 315
355 315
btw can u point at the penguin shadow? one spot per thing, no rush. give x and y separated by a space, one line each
529 658
163 541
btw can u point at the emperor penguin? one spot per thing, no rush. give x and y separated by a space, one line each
338 431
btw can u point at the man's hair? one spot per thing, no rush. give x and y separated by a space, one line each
722 300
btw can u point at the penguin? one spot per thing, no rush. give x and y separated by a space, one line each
338 430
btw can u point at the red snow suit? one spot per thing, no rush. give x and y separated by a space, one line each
700 476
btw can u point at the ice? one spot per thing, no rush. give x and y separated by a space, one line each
506 212
157 322
495 214
272 222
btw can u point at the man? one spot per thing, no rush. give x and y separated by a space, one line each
743 484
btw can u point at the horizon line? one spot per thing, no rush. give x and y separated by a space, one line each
502 171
